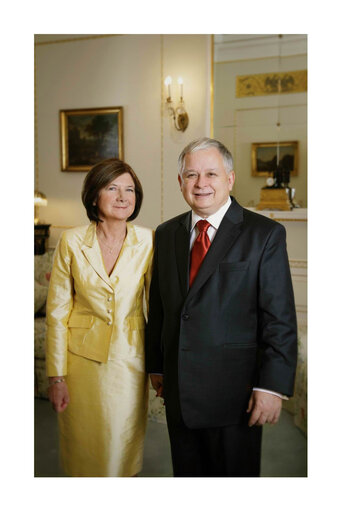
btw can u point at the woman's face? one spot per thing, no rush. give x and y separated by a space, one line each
117 200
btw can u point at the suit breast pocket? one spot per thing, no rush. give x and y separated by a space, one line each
237 266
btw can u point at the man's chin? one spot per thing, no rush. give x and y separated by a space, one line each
202 210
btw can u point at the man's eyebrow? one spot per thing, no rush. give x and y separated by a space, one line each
193 170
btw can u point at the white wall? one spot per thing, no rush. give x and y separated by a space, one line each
123 71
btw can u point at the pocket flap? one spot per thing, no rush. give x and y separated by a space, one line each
136 322
238 266
77 320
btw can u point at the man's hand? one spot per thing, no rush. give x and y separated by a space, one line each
264 408
59 396
157 383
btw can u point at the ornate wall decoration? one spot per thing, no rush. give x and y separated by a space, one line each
271 83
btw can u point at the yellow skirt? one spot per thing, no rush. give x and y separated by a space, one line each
102 430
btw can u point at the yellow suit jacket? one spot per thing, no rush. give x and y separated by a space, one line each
89 313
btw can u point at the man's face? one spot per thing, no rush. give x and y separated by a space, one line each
205 184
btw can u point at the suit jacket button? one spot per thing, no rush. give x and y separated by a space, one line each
185 317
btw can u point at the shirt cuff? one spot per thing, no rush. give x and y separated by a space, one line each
285 398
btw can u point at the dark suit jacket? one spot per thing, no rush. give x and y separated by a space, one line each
234 329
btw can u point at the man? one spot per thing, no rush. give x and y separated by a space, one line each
221 337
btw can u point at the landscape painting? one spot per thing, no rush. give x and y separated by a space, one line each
264 157
89 136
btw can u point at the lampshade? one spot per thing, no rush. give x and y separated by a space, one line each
40 199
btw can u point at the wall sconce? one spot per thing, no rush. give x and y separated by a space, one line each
179 114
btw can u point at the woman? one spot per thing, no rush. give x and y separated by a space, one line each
95 335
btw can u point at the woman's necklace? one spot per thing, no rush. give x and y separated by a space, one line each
109 248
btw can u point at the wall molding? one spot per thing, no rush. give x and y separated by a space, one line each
212 88
162 133
294 215
302 309
240 47
299 270
298 263
74 39
260 58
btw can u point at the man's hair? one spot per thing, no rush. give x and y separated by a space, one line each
206 143
99 177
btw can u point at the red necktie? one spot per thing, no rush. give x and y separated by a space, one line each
199 250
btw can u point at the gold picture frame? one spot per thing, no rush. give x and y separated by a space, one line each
90 135
264 157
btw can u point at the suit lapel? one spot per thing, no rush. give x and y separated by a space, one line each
182 236
229 230
127 251
92 252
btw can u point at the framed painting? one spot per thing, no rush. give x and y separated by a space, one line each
90 135
264 157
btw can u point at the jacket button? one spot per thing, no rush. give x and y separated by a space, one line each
109 298
185 317
109 322
109 311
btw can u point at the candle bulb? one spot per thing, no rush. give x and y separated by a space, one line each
181 83
168 82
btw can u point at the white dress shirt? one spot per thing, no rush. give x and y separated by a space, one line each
214 221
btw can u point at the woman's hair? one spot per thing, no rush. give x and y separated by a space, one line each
206 143
99 177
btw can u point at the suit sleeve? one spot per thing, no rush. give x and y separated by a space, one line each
58 309
153 350
278 328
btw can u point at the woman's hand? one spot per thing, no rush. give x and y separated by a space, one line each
58 394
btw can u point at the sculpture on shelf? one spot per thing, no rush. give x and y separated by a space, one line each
274 195
278 177
277 194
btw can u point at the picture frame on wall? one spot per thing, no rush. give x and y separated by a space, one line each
90 135
264 157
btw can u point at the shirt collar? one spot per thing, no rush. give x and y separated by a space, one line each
214 219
